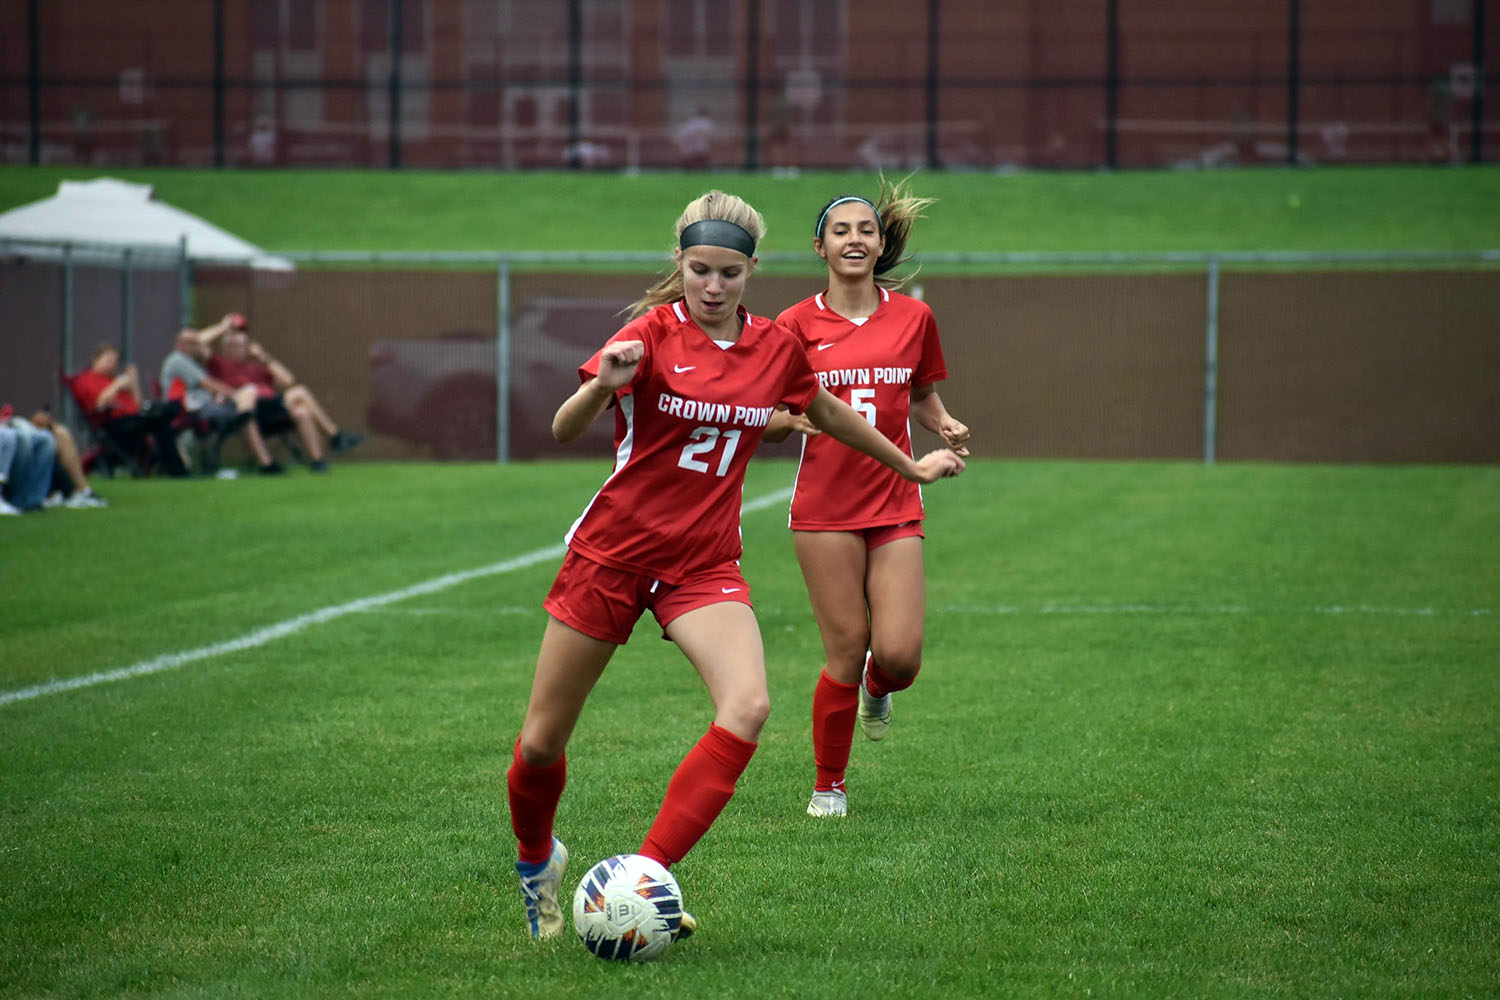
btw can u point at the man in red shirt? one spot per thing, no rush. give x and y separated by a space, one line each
111 402
283 401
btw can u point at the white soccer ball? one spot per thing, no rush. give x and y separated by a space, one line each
627 907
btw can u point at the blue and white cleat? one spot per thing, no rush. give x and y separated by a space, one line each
539 885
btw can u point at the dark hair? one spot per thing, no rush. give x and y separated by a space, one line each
897 209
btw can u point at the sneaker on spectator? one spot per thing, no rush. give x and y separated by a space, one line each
274 469
85 500
53 499
345 441
7 509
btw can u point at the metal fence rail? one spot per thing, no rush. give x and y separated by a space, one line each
134 261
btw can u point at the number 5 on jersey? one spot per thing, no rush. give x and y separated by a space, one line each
705 439
862 402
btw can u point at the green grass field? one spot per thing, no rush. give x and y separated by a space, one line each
1182 731
1355 208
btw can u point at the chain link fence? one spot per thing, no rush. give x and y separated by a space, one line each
1380 357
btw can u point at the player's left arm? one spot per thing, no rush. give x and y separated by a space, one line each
930 412
835 417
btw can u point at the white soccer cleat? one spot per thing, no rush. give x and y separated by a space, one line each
874 713
539 884
834 803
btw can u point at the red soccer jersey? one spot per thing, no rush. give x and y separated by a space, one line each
873 367
686 427
89 385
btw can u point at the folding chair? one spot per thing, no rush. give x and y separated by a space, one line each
206 437
109 453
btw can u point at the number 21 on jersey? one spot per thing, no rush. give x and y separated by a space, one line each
705 439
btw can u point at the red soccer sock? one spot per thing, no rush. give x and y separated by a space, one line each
697 793
879 683
833 709
534 793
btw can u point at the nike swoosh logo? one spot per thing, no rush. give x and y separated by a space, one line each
729 590
679 369
824 347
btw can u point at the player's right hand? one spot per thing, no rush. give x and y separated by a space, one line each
618 361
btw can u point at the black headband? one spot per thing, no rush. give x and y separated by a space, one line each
717 233
835 203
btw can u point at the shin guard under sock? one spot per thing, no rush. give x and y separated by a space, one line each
697 793
833 710
534 793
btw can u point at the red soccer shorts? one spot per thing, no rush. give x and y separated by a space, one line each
887 533
605 603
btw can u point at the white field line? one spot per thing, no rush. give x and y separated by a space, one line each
1082 610
291 626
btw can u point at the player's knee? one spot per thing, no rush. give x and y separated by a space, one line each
539 750
900 663
847 645
747 715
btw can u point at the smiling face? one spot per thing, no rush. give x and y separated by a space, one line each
851 240
713 279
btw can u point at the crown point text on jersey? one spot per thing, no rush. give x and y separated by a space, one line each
717 413
836 377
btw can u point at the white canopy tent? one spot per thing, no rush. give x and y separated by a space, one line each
109 214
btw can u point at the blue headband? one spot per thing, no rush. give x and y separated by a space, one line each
835 203
717 233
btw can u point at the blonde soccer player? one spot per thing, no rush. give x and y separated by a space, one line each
693 380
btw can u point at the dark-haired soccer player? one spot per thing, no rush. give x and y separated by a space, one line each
857 527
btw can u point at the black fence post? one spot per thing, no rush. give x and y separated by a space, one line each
218 47
752 84
933 25
575 83
1476 106
1293 78
34 79
394 46
1111 83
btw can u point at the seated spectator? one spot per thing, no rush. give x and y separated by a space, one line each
283 401
111 401
70 483
224 407
26 459
9 441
